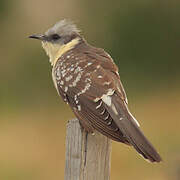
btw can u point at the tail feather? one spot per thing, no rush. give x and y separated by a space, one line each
130 129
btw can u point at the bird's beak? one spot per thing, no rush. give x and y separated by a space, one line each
41 37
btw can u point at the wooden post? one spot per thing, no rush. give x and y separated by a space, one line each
87 156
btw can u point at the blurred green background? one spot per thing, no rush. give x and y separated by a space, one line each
142 36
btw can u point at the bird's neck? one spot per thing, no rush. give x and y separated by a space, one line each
55 51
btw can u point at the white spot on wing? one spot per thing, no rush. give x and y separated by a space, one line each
96 99
63 72
69 78
106 99
109 123
75 97
66 88
61 82
107 117
88 74
72 69
58 74
76 80
89 63
78 69
79 108
106 83
110 92
103 111
87 80
87 86
98 106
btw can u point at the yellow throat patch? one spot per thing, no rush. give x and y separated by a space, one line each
55 51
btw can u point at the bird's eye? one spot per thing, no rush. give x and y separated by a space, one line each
55 37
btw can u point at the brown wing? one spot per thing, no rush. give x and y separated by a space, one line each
118 110
108 64
91 105
96 95
83 84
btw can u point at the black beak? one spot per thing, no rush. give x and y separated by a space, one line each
38 36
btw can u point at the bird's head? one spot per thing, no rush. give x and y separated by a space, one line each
63 36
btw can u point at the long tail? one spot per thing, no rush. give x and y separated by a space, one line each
130 129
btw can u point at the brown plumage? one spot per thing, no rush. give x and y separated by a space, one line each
88 80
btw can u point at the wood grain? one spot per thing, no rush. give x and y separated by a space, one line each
88 156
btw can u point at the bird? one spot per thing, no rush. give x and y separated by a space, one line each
88 80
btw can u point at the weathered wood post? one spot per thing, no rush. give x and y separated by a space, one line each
87 156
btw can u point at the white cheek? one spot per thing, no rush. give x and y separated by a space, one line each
55 51
51 50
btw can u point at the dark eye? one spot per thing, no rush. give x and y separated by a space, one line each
55 37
